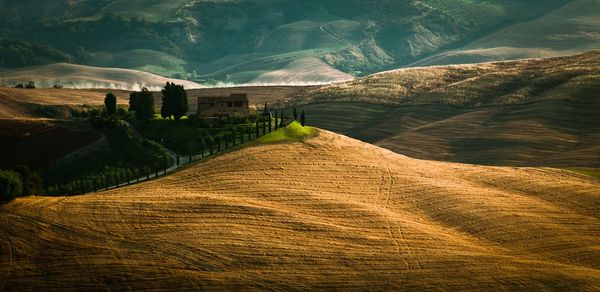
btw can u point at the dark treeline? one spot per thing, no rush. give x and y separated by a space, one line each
16 53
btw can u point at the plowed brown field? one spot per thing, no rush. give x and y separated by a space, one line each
330 212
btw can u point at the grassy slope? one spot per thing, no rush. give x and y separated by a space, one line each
516 82
151 61
539 112
51 103
328 212
553 133
293 132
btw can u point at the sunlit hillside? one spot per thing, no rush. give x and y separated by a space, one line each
527 113
324 213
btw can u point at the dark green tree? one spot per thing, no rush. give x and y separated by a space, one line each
174 101
133 98
32 182
295 114
276 120
281 123
11 185
144 111
110 104
302 119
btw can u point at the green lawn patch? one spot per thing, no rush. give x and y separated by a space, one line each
293 132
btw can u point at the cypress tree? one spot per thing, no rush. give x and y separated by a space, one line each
133 101
303 119
144 105
110 103
281 124
295 114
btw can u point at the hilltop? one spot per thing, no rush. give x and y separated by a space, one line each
329 212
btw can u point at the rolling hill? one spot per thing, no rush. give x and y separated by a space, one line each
52 103
528 113
329 212
240 41
571 29
79 76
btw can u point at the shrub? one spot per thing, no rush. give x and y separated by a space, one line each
11 185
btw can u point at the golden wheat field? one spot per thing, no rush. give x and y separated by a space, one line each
329 212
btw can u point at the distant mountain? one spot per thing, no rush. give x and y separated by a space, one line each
244 41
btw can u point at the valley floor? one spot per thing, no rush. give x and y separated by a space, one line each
329 212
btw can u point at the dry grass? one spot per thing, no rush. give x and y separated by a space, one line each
329 212
548 133
515 82
92 97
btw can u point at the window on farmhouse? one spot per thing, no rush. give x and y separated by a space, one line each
238 104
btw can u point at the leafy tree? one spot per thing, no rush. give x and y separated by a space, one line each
302 119
144 110
110 103
174 101
32 182
11 185
133 99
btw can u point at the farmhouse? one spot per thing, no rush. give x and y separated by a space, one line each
213 107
